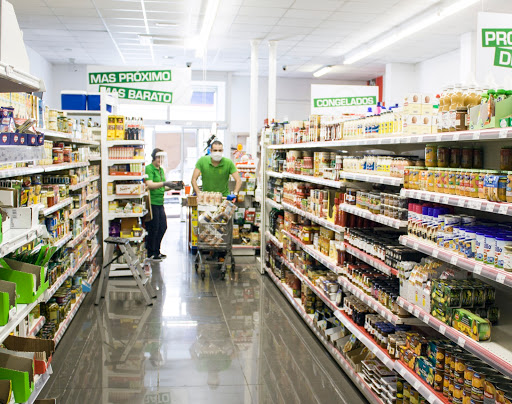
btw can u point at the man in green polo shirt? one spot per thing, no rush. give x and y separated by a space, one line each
215 171
157 186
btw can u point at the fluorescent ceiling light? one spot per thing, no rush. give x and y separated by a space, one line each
208 20
146 25
409 30
166 24
322 71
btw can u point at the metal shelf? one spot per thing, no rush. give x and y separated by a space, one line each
378 179
63 241
274 174
82 112
471 265
367 258
387 221
468 135
73 243
65 324
70 272
276 205
78 212
92 216
274 240
482 205
112 162
497 353
55 208
122 142
16 238
56 135
112 178
93 196
22 312
114 215
39 383
120 197
80 185
36 327
323 222
419 385
13 80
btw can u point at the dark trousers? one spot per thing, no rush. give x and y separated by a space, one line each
156 229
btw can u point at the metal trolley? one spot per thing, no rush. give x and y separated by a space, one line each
214 237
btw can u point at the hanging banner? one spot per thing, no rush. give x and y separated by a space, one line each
494 49
329 99
166 86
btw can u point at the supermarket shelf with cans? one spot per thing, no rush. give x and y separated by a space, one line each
95 178
66 137
112 178
20 171
274 240
471 265
274 174
96 230
112 162
94 252
92 216
336 354
322 222
36 327
82 112
70 272
22 311
501 208
80 185
376 179
120 197
115 215
71 315
93 196
39 383
56 207
17 238
78 239
468 135
419 385
95 158
64 166
372 261
122 142
274 204
387 221
63 241
497 352
78 212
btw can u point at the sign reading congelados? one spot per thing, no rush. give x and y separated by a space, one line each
333 100
139 85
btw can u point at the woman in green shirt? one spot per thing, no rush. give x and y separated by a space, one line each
157 186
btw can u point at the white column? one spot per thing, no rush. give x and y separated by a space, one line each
272 80
468 58
253 116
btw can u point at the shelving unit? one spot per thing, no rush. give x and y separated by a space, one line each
56 207
387 221
322 222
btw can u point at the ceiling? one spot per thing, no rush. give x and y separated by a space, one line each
310 34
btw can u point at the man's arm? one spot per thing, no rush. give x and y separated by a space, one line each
195 176
154 185
238 179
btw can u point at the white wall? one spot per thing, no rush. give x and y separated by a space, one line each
399 80
42 69
434 74
67 77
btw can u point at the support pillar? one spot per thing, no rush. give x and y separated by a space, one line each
253 116
272 81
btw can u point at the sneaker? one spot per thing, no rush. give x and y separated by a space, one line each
163 256
156 258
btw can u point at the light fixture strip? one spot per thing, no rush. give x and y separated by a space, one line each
208 21
409 30
322 71
144 14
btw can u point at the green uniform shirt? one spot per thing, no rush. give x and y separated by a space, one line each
216 179
156 175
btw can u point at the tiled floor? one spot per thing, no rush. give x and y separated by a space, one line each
234 341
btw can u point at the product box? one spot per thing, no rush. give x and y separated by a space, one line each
120 127
32 139
40 350
472 325
16 139
73 100
93 101
129 189
127 226
23 218
479 115
6 392
20 371
29 279
9 197
7 301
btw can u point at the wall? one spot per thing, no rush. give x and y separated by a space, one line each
433 74
42 69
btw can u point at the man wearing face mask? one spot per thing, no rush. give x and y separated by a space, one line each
215 171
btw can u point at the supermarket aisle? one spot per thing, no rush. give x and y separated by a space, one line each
234 341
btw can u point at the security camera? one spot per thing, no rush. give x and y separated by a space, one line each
284 68
189 64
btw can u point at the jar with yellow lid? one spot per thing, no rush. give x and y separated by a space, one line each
431 155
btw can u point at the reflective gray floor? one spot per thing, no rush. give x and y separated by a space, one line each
233 341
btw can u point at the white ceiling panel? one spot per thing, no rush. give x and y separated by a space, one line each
262 11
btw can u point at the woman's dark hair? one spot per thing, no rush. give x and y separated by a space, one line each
153 154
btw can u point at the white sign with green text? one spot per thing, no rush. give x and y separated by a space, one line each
494 49
165 86
327 99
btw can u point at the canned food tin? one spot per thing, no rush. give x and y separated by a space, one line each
477 387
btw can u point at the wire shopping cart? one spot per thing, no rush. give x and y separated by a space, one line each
215 241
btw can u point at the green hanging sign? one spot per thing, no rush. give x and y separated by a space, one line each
137 76
136 94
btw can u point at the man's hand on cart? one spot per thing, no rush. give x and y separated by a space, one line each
174 184
231 198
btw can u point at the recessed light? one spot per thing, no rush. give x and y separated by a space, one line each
168 57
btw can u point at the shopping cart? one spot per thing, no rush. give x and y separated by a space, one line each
214 242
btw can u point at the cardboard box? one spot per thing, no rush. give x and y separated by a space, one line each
29 279
23 218
7 301
5 391
9 197
40 350
20 371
